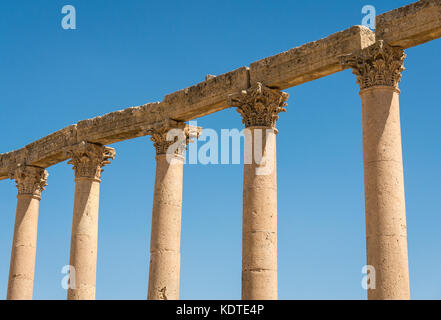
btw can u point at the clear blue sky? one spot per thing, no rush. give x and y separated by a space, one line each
127 53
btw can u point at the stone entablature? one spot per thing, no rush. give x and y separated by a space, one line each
310 61
404 27
410 25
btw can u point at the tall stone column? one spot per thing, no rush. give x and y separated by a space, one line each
30 183
259 107
165 240
378 70
87 160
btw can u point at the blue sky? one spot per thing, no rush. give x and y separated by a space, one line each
127 53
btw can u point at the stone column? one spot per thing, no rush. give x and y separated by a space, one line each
87 160
30 183
164 270
259 107
378 70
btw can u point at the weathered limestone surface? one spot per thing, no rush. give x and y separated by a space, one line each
310 61
120 125
206 97
109 128
411 25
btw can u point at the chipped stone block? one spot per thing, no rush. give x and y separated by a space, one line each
310 61
5 163
206 97
411 25
48 150
120 125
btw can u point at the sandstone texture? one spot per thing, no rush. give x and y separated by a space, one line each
411 25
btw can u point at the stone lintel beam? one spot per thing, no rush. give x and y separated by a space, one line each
290 68
206 97
405 27
107 129
410 25
310 61
121 125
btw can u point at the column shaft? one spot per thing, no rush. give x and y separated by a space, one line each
386 239
30 182
24 247
170 141
166 230
259 234
84 239
259 107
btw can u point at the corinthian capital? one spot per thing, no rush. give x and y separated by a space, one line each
377 65
30 180
259 105
88 159
172 137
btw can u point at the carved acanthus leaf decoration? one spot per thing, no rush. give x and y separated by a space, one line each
259 105
30 180
88 159
173 132
377 65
